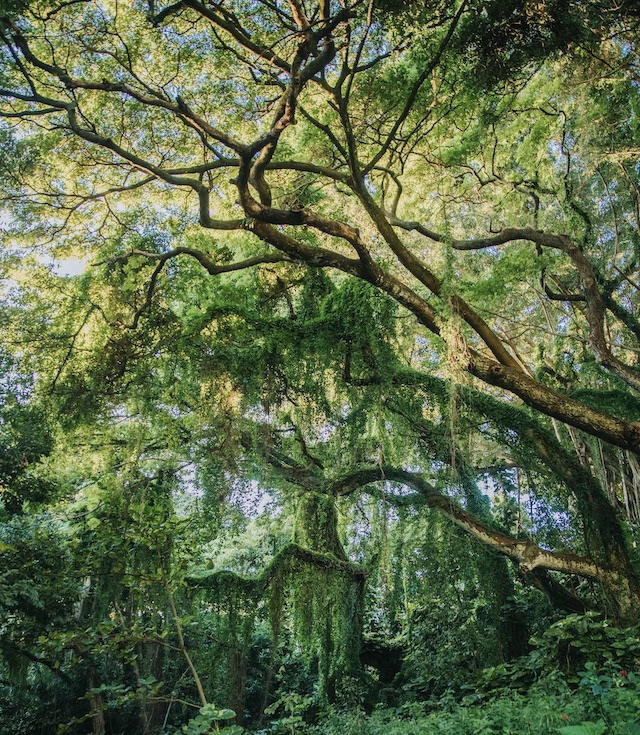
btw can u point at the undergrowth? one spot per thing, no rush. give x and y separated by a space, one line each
582 677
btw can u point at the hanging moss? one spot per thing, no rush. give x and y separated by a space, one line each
327 601
316 525
223 582
327 606
316 287
311 578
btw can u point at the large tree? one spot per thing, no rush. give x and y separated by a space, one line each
493 224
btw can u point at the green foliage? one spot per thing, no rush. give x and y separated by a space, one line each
289 709
578 640
211 719
584 651
316 525
39 588
551 704
537 714
319 592
37 581
26 437
586 728
193 376
501 39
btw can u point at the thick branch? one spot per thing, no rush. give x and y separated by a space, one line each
558 595
594 300
418 269
625 434
230 25
527 554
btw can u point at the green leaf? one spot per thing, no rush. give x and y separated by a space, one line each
585 728
233 730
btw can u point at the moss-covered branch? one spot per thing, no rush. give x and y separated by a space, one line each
256 587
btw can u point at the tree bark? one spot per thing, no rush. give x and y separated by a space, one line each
96 703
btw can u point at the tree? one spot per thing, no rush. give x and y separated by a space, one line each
331 137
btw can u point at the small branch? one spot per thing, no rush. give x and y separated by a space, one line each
209 265
425 74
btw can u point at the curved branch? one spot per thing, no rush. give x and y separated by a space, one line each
229 23
556 594
287 165
211 267
566 295
179 108
418 269
257 585
595 302
525 553
622 433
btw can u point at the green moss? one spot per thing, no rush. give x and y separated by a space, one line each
317 524
323 593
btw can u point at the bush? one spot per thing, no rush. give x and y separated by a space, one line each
581 678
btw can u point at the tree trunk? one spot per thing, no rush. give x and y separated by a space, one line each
96 703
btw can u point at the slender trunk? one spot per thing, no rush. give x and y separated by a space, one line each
181 643
185 653
96 703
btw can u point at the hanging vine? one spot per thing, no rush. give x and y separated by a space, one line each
312 580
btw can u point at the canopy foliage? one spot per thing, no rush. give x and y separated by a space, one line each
354 284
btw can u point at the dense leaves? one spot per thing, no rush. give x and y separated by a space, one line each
319 366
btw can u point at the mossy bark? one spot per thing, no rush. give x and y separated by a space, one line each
316 526
328 603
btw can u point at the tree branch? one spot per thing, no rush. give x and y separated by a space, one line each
525 553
